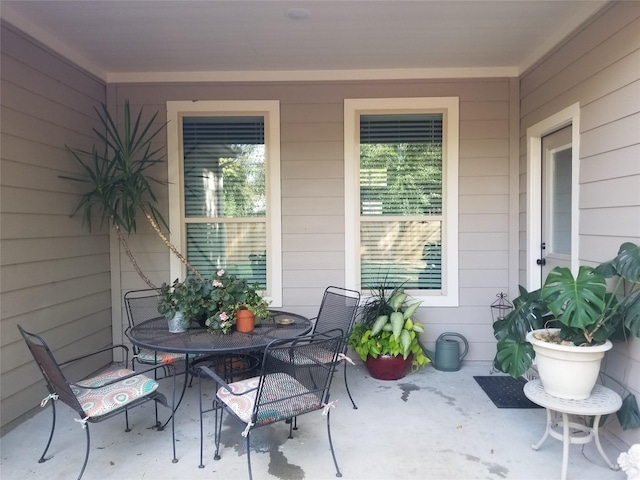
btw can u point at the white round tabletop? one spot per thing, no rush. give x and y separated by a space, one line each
601 402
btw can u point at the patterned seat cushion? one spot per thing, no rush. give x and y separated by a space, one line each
322 356
100 401
156 358
283 398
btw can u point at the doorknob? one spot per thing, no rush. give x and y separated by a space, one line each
541 261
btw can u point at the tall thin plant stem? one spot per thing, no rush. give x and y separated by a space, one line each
171 246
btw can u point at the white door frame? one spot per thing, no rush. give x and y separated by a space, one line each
568 116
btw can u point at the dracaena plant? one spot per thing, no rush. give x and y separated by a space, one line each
598 304
119 186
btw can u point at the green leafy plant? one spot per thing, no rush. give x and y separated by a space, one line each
255 302
392 331
599 304
228 295
118 180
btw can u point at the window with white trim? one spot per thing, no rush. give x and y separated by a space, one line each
224 192
401 211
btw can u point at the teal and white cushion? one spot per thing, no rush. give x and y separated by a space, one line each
158 358
100 401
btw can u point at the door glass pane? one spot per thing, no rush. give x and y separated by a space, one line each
561 202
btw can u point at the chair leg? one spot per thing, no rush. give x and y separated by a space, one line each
53 427
173 420
249 455
173 412
333 454
218 412
126 420
201 427
346 384
86 455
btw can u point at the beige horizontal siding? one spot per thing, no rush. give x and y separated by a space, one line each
312 172
599 68
55 275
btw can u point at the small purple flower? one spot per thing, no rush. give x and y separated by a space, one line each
223 316
220 273
217 283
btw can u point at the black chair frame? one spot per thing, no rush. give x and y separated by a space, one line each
338 310
319 390
146 301
60 388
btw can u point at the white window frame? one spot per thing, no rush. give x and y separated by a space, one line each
449 107
270 110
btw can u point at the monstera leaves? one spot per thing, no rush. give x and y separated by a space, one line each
576 302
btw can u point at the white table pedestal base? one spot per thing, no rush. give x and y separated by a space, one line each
602 401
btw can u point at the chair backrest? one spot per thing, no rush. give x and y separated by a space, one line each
337 310
296 376
141 305
53 374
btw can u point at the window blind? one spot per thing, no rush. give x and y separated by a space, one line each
401 177
224 166
401 164
225 182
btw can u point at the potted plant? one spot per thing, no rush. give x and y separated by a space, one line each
571 316
251 310
119 186
173 303
231 295
386 337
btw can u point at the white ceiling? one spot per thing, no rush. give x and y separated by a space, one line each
145 40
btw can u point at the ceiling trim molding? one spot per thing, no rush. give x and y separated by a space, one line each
311 75
582 16
18 21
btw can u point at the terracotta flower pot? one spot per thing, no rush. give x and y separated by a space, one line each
387 367
245 321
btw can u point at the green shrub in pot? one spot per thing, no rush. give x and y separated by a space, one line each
601 303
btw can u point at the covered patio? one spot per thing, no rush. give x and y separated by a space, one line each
430 424
503 75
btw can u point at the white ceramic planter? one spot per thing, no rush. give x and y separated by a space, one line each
567 371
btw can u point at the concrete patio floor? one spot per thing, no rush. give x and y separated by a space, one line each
431 424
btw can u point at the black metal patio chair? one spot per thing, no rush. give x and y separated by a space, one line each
284 389
142 305
96 398
338 310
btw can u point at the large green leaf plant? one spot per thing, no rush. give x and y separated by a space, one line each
392 332
118 180
600 303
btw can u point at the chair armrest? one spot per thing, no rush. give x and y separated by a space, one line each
214 376
120 379
113 347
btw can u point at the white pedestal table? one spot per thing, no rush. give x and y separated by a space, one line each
602 401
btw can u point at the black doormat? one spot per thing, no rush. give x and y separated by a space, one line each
505 391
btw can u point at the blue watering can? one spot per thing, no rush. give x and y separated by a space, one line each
447 357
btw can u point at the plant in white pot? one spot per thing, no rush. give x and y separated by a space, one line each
572 315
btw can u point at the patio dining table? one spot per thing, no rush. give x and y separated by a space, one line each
154 335
201 345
